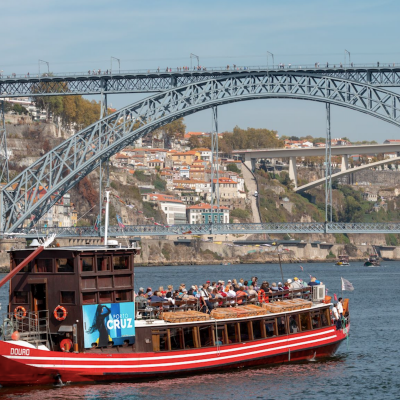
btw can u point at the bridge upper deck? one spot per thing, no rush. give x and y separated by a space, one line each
142 81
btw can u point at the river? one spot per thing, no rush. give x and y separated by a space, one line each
365 367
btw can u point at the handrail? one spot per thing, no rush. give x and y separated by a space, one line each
203 69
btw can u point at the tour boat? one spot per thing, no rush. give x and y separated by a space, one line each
373 261
343 260
72 318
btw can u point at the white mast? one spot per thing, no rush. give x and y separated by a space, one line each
107 191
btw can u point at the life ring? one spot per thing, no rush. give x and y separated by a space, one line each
261 296
66 345
64 313
19 313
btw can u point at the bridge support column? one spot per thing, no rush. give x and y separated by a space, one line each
345 163
250 163
293 170
4 175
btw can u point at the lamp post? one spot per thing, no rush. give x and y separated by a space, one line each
194 56
273 60
346 51
119 64
48 66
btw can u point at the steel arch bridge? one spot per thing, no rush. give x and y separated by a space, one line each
33 192
156 81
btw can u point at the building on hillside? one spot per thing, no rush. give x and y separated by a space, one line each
228 188
205 154
392 141
154 164
370 197
201 214
340 142
173 208
200 187
120 160
188 157
184 171
389 155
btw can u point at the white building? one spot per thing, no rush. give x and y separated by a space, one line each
173 208
201 214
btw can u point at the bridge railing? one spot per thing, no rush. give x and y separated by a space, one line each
180 70
193 231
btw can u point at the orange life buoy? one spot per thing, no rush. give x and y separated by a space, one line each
20 313
66 344
64 313
261 296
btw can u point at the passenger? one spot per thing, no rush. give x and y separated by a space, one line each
340 307
241 296
336 317
231 294
252 294
313 282
245 285
156 297
274 287
293 325
296 284
280 286
241 282
141 300
207 306
170 291
149 292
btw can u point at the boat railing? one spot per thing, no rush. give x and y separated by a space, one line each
154 310
32 326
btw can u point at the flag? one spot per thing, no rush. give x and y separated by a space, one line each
346 285
119 220
334 297
301 268
310 276
97 223
33 217
326 292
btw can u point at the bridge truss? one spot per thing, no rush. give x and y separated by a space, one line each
154 81
215 229
59 170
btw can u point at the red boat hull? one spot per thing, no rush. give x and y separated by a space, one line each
20 365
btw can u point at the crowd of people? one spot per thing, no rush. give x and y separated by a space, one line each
214 294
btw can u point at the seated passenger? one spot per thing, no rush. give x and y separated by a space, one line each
156 297
314 282
274 287
241 296
293 325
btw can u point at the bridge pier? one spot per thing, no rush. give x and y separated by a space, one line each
250 163
345 163
293 170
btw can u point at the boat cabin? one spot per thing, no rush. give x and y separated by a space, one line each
74 282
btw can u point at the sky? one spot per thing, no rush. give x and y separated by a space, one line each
80 35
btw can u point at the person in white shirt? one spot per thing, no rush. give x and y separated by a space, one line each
336 317
340 307
231 293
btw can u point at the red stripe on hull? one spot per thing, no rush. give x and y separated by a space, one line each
40 367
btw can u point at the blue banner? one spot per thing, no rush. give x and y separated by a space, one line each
108 322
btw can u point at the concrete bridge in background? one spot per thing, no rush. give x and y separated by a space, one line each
251 155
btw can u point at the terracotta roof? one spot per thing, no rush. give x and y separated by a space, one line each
164 197
224 180
189 181
156 160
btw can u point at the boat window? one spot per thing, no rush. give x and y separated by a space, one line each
191 338
281 322
105 297
20 297
245 331
270 327
65 264
206 338
294 324
221 335
160 340
123 295
27 268
121 262
103 264
86 264
44 265
233 332
257 333
305 322
316 320
89 298
176 337
68 297
325 317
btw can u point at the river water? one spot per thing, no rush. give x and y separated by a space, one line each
365 367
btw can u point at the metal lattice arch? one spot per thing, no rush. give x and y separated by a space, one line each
64 166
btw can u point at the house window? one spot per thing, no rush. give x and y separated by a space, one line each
20 297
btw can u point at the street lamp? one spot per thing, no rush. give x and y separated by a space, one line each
194 56
346 51
119 64
48 68
273 60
